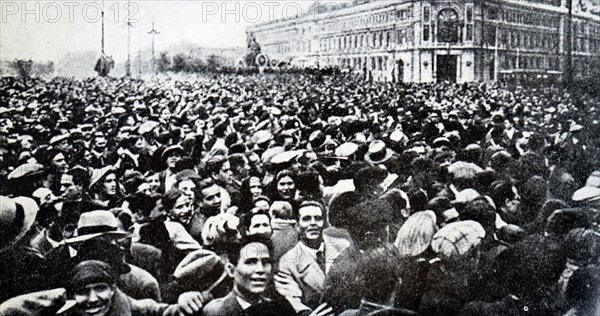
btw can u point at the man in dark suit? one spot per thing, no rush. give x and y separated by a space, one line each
310 260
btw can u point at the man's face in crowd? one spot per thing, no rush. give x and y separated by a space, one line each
165 115
225 174
253 270
26 144
260 225
140 144
66 181
262 204
286 187
255 163
211 198
100 143
512 205
94 299
185 130
310 225
172 159
154 182
255 187
110 184
181 211
188 187
64 145
60 162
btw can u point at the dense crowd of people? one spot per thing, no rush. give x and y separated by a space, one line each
297 194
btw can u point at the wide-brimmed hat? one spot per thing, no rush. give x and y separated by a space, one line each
591 190
97 174
261 137
26 170
171 149
286 156
378 152
317 140
346 149
147 126
17 215
94 224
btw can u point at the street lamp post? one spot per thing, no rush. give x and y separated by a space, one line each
153 32
568 70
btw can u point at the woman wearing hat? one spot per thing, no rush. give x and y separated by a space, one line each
104 187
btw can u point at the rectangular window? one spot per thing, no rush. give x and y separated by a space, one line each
426 17
469 13
469 32
426 30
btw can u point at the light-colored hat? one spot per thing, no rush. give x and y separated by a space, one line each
591 190
378 152
94 224
458 238
346 149
26 170
17 215
171 149
416 234
97 174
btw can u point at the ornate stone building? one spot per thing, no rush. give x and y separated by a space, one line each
436 40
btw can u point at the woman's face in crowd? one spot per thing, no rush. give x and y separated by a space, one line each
255 187
181 211
110 184
286 187
260 225
188 187
94 299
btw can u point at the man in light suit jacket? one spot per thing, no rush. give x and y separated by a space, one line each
310 260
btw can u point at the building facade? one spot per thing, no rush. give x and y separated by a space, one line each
439 40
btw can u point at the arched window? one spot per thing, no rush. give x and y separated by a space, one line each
448 26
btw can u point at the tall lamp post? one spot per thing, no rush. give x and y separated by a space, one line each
568 71
153 32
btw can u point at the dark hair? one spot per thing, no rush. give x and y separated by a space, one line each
170 198
246 199
501 190
583 288
214 164
247 219
205 183
481 211
234 250
308 185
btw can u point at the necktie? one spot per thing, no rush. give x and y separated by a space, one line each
321 260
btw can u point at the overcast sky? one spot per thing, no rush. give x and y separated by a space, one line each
46 30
